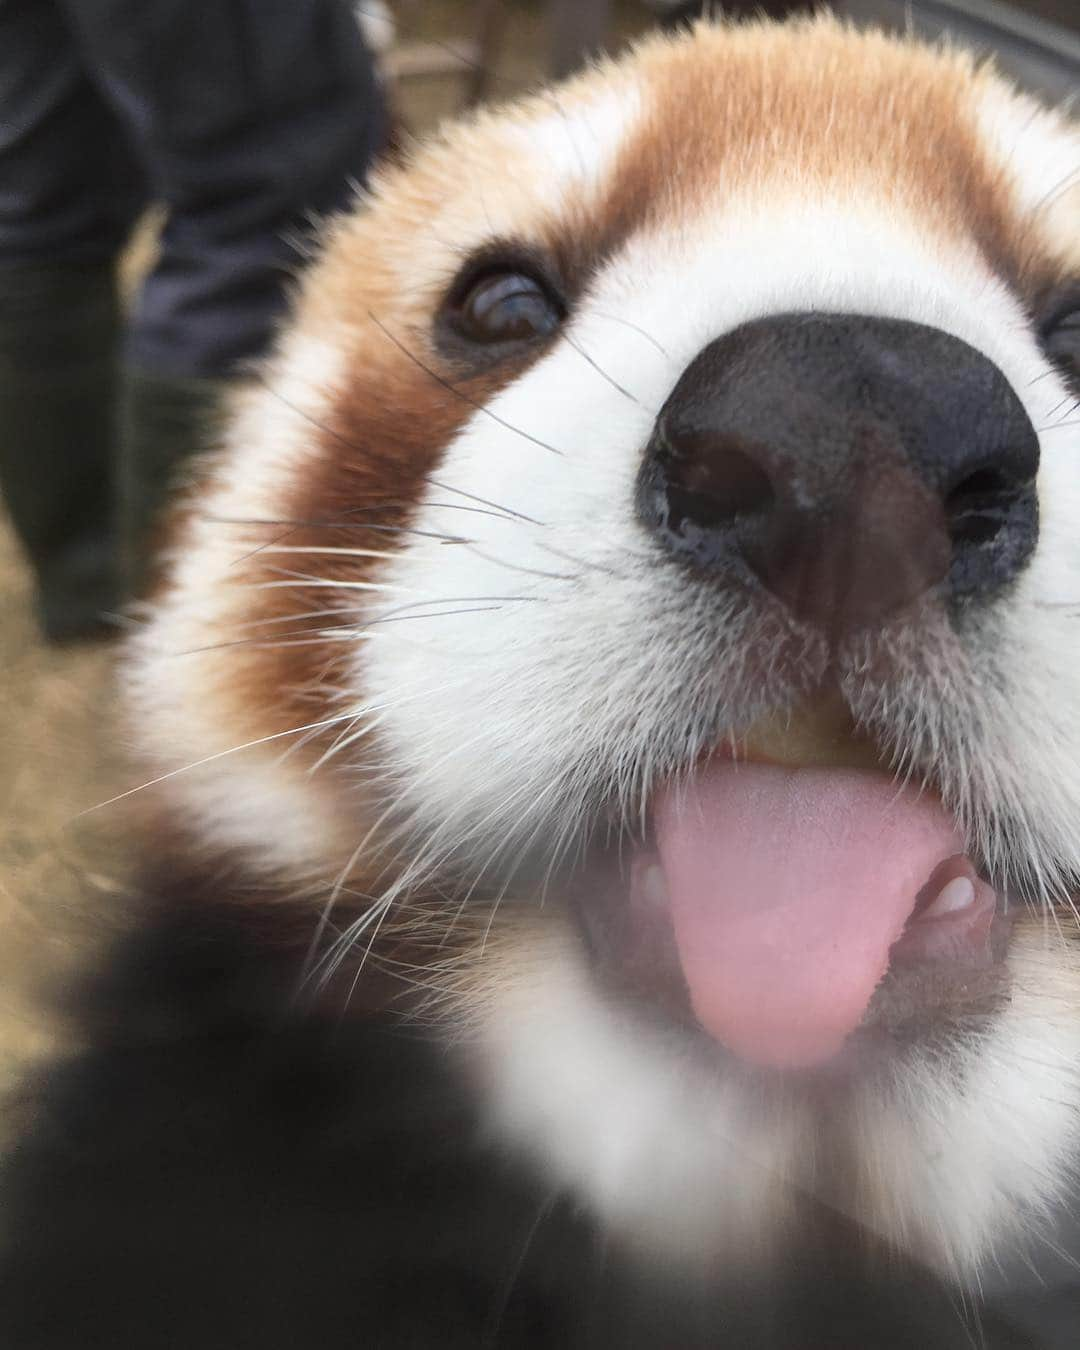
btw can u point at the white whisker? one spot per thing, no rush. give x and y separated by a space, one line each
209 759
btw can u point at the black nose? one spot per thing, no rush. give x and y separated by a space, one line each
850 464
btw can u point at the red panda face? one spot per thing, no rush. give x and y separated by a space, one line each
646 576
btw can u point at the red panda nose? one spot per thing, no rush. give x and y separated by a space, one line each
849 464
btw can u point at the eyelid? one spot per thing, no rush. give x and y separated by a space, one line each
496 259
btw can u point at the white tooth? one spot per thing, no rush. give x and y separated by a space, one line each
653 886
954 895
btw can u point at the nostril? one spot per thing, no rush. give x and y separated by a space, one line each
707 495
718 488
980 506
742 484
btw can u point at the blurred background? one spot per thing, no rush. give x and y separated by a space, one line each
62 742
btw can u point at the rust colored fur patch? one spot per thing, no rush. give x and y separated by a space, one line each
371 459
759 114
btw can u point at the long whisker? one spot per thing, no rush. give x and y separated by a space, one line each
346 737
434 482
453 389
298 615
327 964
621 389
616 318
317 583
338 525
210 759
273 549
341 632
520 567
347 630
268 547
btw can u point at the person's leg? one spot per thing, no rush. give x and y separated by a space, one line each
59 336
252 117
68 193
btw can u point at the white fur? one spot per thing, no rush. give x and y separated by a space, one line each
958 1161
1040 152
613 1109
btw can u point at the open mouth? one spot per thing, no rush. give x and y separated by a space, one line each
794 893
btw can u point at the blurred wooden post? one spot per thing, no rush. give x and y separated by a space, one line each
579 29
490 25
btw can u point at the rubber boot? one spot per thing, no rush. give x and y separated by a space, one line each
164 423
59 331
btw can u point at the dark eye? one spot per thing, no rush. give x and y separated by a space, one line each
1061 335
505 307
1064 338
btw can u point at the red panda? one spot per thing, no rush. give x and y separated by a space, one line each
616 705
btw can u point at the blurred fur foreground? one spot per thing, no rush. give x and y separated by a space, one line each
219 1174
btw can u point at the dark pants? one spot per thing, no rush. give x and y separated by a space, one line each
245 118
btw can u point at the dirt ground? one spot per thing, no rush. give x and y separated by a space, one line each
57 756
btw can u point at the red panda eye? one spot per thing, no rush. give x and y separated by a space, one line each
506 307
1061 333
1063 342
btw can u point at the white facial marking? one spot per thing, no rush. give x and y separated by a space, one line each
1039 149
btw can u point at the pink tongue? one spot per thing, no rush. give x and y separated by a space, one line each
788 887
